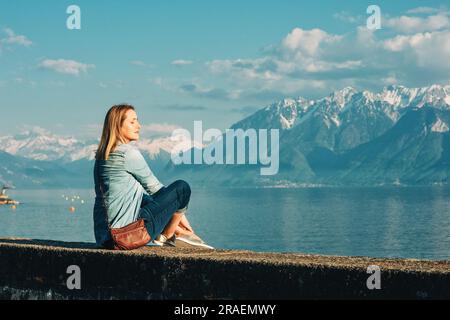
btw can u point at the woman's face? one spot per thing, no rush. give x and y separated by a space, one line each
130 128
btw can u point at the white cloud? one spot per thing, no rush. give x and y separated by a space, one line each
429 50
181 62
411 24
300 54
314 62
16 39
66 66
307 42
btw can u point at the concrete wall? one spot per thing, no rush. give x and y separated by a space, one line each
33 269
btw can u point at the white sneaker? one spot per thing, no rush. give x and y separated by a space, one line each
162 240
194 240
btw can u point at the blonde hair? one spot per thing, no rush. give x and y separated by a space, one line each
111 134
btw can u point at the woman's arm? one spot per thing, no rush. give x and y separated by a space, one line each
136 165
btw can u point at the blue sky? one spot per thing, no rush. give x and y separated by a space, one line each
216 61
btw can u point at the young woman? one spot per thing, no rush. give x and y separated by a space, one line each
127 190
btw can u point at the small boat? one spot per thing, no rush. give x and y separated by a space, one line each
4 199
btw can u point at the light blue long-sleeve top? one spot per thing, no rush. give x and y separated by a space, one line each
120 184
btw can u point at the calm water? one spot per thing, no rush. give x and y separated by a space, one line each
411 222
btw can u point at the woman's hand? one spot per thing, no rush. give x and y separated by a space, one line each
184 223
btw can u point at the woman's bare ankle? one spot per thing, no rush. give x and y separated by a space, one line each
166 235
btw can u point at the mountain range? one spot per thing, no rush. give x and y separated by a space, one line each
397 136
36 158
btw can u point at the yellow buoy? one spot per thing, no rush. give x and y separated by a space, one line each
72 209
13 207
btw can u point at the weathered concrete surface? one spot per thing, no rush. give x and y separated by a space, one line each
36 269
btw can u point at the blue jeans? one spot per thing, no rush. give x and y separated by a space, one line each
157 209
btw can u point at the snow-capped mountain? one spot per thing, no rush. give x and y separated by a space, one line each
352 137
37 158
40 144
153 147
392 101
334 111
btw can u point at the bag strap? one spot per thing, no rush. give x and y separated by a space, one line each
104 205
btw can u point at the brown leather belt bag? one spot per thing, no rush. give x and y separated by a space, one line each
130 237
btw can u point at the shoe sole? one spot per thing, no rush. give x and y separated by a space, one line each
193 243
163 244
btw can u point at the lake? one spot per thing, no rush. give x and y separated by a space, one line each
408 222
